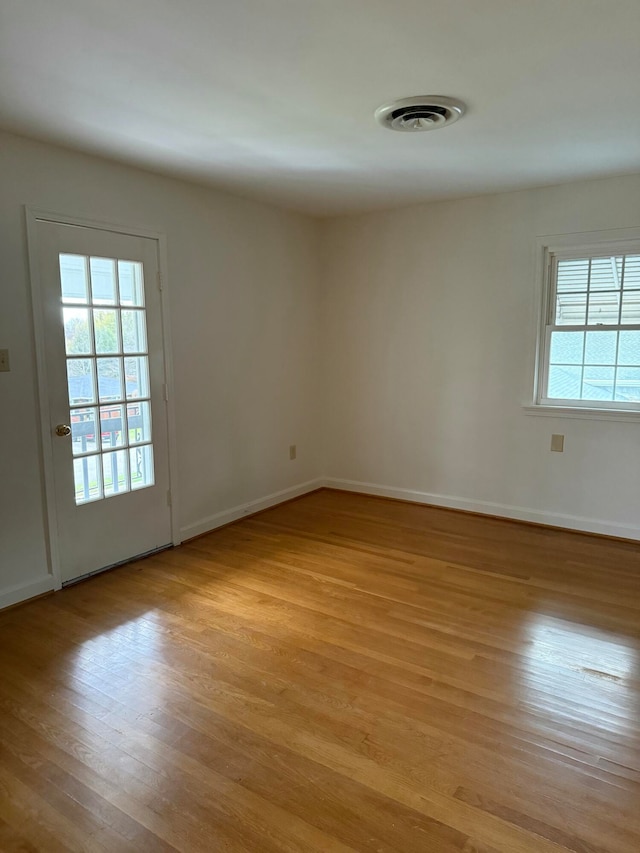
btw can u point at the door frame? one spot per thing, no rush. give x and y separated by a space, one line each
32 217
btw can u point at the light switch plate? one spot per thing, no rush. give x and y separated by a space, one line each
4 361
557 443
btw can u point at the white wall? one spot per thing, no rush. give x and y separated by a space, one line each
244 307
428 328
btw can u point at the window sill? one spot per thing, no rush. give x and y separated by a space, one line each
584 414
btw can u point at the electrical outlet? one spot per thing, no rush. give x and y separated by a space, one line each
4 361
557 443
292 451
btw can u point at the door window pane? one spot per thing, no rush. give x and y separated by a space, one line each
88 480
131 283
107 333
103 281
141 466
77 332
137 377
109 379
73 279
115 472
81 381
139 420
113 428
84 431
134 332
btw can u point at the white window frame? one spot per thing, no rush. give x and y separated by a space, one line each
549 250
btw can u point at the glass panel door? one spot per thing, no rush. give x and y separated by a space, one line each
108 486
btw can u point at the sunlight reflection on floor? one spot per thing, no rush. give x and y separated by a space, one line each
589 669
132 652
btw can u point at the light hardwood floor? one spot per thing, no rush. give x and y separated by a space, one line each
339 673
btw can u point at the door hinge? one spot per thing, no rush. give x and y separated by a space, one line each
168 497
159 280
165 392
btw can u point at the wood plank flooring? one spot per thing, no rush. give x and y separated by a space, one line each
339 673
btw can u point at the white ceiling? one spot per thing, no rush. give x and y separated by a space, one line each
275 98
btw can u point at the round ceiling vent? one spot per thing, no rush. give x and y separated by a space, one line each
426 112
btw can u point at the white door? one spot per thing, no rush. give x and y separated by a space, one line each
105 381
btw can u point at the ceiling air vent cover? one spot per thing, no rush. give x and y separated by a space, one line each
426 112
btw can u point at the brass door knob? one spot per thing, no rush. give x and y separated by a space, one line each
63 429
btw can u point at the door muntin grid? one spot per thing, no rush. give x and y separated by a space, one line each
107 361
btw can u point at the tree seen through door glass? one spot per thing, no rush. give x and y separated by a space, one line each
134 333
77 332
81 381
106 330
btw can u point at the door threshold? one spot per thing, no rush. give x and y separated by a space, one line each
117 565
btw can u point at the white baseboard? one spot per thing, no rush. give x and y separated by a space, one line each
233 514
519 513
21 592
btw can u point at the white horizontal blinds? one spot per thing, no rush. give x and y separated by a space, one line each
107 375
593 341
595 291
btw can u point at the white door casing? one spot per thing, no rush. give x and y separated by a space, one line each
103 365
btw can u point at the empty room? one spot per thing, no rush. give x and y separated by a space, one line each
320 426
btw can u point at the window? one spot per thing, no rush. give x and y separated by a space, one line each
590 339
